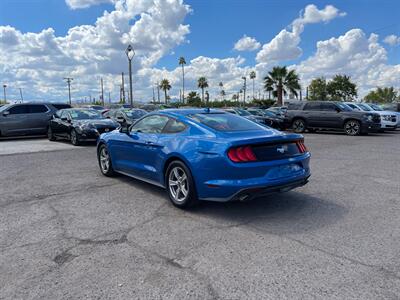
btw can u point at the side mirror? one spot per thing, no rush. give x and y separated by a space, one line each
120 120
65 119
6 113
338 109
124 129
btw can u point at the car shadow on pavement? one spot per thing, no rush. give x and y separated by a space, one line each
280 213
286 213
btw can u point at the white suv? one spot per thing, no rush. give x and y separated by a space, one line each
388 118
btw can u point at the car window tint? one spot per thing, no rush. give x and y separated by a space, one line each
61 106
312 106
328 107
174 126
151 124
34 109
225 122
19 109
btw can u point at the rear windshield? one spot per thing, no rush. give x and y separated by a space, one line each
85 115
225 122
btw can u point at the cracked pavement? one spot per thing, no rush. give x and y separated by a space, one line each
67 232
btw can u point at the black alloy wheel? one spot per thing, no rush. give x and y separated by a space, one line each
299 126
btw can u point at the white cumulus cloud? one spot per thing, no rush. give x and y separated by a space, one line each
392 40
285 45
76 4
247 43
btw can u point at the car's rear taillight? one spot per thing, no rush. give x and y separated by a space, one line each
301 146
242 154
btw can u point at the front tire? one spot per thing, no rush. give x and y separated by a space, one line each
352 127
105 163
299 126
74 138
180 185
50 134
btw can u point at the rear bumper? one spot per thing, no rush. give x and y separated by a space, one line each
280 177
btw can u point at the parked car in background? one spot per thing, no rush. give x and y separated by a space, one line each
395 107
388 119
125 116
245 114
317 115
270 118
78 125
27 118
279 110
205 154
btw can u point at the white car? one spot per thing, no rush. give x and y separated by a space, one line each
389 119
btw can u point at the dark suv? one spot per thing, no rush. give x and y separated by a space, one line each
314 115
27 118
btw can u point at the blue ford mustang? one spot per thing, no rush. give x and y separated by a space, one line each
203 154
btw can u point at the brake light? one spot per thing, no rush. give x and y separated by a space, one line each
242 154
301 146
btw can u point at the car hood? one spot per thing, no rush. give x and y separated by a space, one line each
98 123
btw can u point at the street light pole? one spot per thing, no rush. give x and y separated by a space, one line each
20 92
5 96
69 79
244 90
102 91
130 53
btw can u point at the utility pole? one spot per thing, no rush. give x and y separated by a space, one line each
109 97
20 92
102 92
4 90
154 96
69 79
244 90
123 88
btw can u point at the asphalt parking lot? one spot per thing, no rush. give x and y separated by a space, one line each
67 232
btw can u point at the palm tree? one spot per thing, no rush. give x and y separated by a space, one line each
253 76
280 80
165 86
202 83
182 62
221 85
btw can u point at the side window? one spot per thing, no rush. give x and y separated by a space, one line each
328 107
174 126
58 114
150 124
37 108
18 109
312 106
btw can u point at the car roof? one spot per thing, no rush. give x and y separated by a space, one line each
188 111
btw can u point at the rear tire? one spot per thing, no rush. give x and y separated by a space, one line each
104 159
299 125
352 127
180 185
50 134
74 138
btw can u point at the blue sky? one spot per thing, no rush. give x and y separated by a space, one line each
216 25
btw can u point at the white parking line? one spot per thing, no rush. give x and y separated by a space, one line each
31 146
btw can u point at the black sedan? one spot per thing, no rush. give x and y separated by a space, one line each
125 117
270 118
78 125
